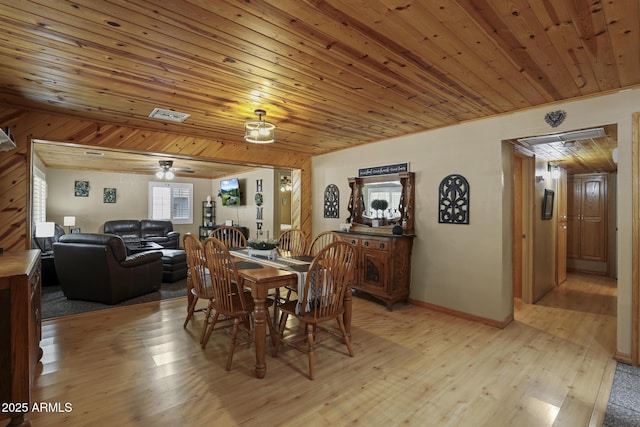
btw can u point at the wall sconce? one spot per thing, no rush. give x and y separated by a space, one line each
555 171
539 179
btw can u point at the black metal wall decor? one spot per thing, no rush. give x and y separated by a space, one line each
555 118
259 201
454 200
332 201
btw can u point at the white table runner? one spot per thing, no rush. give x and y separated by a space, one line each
288 264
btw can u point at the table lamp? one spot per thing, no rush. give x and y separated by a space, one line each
45 229
69 221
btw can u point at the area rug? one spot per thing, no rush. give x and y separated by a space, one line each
55 304
623 408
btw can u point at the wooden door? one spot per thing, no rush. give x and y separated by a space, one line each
574 200
517 227
561 259
561 196
374 270
561 233
587 233
593 241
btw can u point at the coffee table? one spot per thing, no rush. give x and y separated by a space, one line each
142 246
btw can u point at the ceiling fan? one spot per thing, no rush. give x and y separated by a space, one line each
168 171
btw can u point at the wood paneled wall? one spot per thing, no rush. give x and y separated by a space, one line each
15 165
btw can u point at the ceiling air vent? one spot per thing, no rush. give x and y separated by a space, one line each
168 115
577 135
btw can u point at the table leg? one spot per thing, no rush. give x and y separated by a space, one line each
260 334
347 311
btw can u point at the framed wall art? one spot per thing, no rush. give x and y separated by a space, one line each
109 195
81 189
547 204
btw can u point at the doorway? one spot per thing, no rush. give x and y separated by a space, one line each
536 248
283 190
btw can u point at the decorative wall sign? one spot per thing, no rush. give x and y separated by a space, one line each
109 195
383 170
259 225
81 188
454 200
331 201
258 199
258 186
259 212
555 118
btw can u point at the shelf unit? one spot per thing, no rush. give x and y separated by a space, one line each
208 219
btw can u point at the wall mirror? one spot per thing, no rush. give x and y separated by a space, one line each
379 203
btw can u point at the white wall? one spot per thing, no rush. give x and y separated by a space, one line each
468 267
245 214
544 246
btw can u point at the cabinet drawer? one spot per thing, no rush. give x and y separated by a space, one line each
370 243
382 245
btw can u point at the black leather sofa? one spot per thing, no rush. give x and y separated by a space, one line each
158 231
45 244
95 267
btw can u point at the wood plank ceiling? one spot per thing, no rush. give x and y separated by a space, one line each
331 74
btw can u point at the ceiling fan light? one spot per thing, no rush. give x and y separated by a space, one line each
160 174
169 175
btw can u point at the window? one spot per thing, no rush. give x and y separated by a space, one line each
171 201
39 213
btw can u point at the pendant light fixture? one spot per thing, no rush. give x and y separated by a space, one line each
259 131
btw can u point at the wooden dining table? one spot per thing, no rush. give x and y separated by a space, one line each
260 281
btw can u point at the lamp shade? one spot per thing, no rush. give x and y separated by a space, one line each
69 221
45 229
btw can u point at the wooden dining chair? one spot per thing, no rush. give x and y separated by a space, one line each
322 240
200 279
230 236
322 300
230 299
293 241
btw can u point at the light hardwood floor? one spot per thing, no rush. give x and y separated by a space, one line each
138 366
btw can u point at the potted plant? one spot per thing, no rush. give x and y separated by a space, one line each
379 205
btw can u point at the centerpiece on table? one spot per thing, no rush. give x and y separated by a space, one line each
266 248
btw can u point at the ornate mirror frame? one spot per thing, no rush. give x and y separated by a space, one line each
356 205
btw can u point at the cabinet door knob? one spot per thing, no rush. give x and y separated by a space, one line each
366 243
381 245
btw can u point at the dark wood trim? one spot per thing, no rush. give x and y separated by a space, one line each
466 316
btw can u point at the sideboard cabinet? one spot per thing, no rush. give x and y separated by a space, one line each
20 317
383 265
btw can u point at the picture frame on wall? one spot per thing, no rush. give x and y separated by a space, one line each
109 195
81 188
547 204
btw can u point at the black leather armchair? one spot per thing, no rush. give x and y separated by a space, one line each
45 244
151 230
95 267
